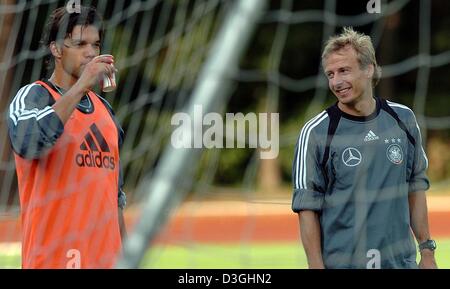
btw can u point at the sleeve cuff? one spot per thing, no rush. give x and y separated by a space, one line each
307 200
122 200
418 186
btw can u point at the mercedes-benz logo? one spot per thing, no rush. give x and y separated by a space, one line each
351 157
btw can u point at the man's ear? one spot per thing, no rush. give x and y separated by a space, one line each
55 49
370 70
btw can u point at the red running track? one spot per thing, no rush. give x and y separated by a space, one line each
229 228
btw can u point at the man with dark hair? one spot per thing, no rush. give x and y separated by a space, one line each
66 144
359 171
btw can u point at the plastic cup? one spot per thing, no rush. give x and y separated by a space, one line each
108 82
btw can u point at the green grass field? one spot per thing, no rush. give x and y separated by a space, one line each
246 256
255 256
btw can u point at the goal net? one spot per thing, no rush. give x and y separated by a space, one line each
198 83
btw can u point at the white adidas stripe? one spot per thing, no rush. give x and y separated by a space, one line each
34 114
42 115
32 111
17 107
394 104
398 105
300 178
15 104
300 150
305 146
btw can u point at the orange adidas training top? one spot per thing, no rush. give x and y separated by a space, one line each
68 196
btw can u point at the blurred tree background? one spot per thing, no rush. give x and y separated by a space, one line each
279 73
396 39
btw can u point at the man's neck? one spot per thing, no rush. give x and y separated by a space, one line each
62 79
365 106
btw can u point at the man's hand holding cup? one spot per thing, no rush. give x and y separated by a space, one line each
99 70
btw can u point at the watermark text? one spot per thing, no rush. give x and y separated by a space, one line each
373 6
208 131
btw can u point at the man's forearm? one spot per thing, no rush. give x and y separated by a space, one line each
419 216
122 227
310 234
419 223
65 106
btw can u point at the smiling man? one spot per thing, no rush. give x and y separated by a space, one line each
359 171
66 146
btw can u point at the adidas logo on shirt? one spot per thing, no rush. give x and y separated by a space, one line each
96 151
371 136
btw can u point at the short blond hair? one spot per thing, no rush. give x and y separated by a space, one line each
361 43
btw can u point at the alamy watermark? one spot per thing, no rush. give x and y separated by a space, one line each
373 6
73 6
374 256
74 257
208 131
